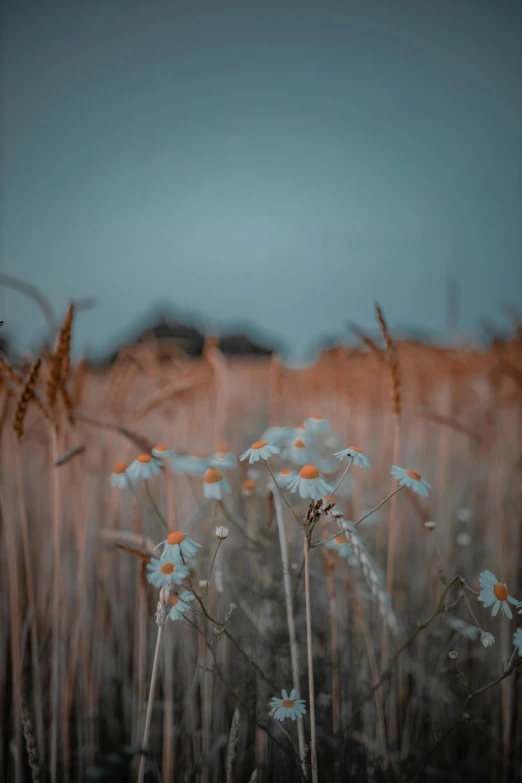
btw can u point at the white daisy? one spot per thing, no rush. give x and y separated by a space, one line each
517 640
193 466
317 423
411 479
288 706
463 539
495 593
310 483
260 450
222 532
180 604
163 452
249 487
487 639
119 477
465 629
340 545
177 544
279 436
143 467
359 457
299 452
222 458
285 477
166 570
214 484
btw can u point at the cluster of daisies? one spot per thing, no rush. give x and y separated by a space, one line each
170 569
295 444
496 594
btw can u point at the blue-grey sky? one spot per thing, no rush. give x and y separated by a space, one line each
272 162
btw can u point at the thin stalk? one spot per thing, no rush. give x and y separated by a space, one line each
31 608
155 507
294 649
392 540
332 493
313 751
57 600
150 703
281 494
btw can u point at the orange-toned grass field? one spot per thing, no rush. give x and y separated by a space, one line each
77 615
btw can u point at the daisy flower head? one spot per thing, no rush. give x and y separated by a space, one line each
214 484
310 483
143 467
285 477
222 458
119 477
517 640
299 452
177 544
357 455
221 532
249 487
163 452
340 545
193 466
495 593
411 479
261 449
166 570
317 423
279 436
180 605
487 639
288 706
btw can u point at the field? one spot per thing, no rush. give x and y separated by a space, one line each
401 689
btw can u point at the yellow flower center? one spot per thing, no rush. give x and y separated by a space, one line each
258 444
316 417
299 444
309 472
354 448
175 538
161 447
285 472
222 449
144 458
501 592
168 568
340 540
212 476
288 703
414 475
174 600
120 468
249 485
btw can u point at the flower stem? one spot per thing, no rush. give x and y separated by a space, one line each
313 751
350 463
294 650
148 717
281 494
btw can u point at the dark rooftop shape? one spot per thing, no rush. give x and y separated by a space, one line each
241 345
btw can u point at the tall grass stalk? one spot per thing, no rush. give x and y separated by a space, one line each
31 606
309 644
150 704
294 648
57 599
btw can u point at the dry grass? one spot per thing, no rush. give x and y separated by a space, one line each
77 631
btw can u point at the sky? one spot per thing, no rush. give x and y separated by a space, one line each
276 164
